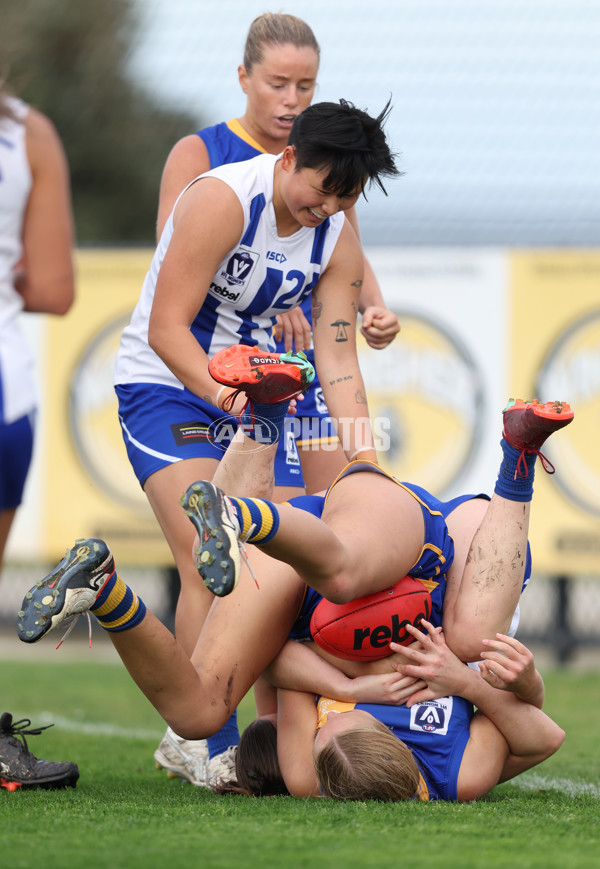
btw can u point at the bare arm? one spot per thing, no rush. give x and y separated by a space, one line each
299 668
188 159
334 311
296 727
196 248
508 735
45 277
379 325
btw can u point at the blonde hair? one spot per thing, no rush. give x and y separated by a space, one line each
367 764
276 28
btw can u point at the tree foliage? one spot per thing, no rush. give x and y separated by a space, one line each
70 59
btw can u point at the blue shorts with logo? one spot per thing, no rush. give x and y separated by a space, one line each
162 424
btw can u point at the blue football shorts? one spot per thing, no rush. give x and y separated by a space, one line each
163 424
16 450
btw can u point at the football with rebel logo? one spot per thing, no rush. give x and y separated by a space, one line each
362 629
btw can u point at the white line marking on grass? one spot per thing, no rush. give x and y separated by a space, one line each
94 728
531 781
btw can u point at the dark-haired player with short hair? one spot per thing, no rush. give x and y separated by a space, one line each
245 242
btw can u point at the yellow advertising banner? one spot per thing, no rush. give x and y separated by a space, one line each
91 487
555 355
472 322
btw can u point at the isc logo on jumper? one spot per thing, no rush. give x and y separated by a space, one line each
275 255
239 267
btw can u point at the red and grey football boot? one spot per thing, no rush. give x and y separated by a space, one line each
527 424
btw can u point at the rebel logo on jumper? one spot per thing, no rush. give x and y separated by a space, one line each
239 267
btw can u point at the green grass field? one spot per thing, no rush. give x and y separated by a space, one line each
124 813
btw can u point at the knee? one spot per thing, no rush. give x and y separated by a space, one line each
198 726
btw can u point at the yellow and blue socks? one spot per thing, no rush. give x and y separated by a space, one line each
257 517
117 607
510 484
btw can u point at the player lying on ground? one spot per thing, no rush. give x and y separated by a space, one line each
244 632
434 747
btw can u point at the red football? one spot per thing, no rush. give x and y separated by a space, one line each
363 629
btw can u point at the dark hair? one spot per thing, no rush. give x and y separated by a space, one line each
346 141
276 28
256 764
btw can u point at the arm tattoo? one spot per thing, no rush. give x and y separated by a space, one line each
360 397
316 309
341 334
341 379
358 284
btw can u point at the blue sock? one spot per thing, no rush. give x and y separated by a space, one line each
264 422
510 484
228 735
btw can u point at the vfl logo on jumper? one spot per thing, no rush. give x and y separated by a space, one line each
432 716
394 632
239 267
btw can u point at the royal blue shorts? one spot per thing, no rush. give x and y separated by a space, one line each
162 425
16 449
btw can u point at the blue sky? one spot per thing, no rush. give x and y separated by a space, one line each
496 104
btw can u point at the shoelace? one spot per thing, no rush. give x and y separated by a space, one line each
73 621
244 554
521 463
19 729
229 401
242 540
